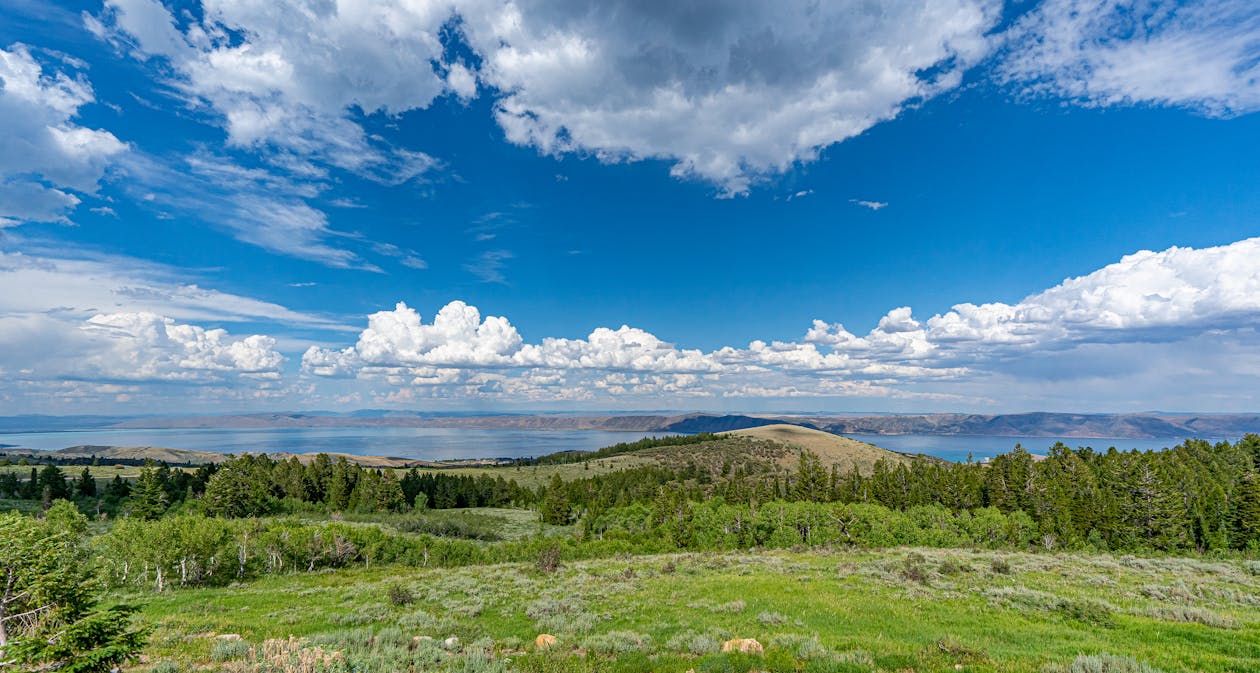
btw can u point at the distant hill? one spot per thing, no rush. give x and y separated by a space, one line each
847 454
157 454
1034 424
1046 424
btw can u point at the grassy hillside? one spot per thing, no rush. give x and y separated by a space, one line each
821 612
848 454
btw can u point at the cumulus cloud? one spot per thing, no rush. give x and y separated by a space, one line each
46 159
86 329
1201 54
133 347
150 347
1167 297
728 92
292 79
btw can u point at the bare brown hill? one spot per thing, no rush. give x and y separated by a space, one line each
847 454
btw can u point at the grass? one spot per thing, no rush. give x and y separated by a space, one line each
816 612
489 524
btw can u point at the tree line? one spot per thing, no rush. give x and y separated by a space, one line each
1194 496
257 485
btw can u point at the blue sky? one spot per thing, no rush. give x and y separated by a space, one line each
219 206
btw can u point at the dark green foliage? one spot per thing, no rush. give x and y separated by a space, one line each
1247 513
52 484
85 487
555 507
49 581
149 499
619 449
241 487
96 643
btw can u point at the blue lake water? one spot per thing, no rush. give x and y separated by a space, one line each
956 447
417 443
454 443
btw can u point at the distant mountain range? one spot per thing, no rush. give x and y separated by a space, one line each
1037 424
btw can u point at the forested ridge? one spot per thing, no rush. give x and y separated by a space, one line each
252 516
1197 496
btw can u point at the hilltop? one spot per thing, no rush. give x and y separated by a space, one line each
834 450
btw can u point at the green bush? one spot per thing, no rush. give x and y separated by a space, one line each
226 650
1102 663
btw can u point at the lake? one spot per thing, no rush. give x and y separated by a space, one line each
454 443
417 443
956 447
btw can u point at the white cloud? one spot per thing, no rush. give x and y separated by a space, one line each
292 79
136 347
1201 54
44 283
45 157
729 92
488 267
149 347
257 206
873 205
1172 297
1147 295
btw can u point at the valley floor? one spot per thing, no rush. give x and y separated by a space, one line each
897 610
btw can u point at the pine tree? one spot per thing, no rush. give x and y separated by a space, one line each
148 498
86 486
811 478
52 483
555 507
1247 513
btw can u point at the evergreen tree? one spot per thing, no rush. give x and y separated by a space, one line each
148 499
811 481
86 486
555 507
241 487
338 486
52 483
1247 513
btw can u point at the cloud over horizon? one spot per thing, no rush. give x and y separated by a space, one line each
1148 297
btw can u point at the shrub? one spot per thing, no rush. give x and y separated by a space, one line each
915 569
400 595
366 614
1102 663
165 666
802 648
1086 610
1190 615
549 559
225 650
733 606
618 642
691 642
1000 566
767 618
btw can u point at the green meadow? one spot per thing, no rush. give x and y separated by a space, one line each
821 611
